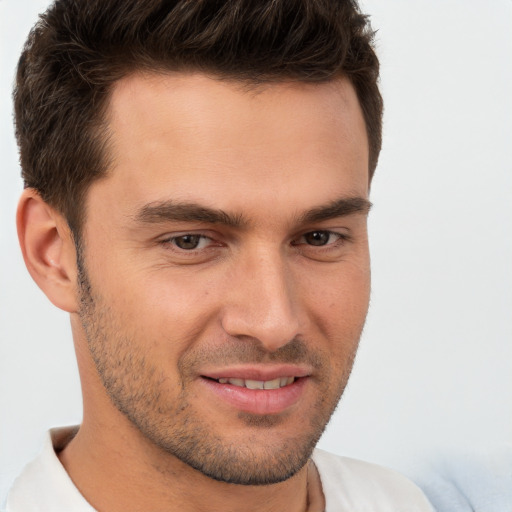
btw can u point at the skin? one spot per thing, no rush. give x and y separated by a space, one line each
279 280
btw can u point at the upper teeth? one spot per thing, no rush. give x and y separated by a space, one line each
259 384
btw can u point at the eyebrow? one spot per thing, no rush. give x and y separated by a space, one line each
337 208
165 211
168 211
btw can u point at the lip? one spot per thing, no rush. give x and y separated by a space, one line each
257 401
258 372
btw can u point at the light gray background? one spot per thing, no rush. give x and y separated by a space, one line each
435 365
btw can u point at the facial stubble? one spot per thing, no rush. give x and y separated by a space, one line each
137 388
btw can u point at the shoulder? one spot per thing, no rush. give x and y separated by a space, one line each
351 484
44 485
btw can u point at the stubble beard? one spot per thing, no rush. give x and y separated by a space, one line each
137 388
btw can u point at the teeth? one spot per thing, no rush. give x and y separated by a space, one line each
259 384
272 384
254 384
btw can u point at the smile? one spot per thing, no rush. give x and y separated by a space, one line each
270 395
279 382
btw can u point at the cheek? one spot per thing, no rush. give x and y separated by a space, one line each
339 304
166 311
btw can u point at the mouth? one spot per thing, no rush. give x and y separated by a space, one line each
277 383
258 390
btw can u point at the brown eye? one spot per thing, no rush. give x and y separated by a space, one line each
317 238
188 242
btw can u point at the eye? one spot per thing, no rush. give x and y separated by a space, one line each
190 242
319 238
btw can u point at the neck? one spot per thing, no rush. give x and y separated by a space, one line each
116 470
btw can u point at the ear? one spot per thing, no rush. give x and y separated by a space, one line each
48 250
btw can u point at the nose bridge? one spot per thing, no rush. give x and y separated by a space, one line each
263 304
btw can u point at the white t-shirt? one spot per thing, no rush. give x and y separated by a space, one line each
349 485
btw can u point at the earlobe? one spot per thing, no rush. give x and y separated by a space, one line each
48 249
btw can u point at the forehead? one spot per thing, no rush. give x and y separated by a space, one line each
189 135
196 104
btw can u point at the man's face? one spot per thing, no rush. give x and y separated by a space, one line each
227 250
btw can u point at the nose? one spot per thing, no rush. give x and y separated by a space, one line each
262 302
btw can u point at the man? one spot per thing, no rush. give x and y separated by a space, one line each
197 178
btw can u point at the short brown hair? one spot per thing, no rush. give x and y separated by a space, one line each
80 48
